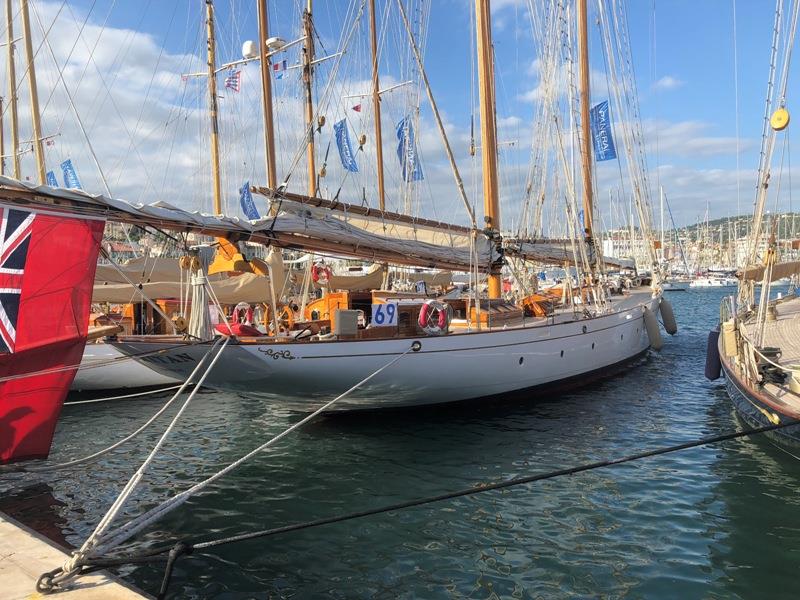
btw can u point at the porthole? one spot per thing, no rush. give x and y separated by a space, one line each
521 360
592 345
562 353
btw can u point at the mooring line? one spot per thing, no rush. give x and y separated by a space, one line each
98 363
102 540
122 533
79 461
170 553
136 395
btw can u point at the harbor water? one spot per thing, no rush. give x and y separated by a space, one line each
710 522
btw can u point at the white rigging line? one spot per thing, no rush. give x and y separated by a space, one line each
736 108
73 107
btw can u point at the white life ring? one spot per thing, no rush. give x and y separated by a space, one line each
434 317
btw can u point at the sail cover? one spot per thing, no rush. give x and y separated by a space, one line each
47 266
323 234
556 252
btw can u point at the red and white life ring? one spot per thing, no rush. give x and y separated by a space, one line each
242 311
321 273
434 317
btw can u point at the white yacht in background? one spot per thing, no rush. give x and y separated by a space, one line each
103 367
713 281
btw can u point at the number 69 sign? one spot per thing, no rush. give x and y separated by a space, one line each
384 315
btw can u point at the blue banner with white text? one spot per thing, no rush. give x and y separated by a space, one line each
51 179
602 137
246 200
345 149
407 151
71 180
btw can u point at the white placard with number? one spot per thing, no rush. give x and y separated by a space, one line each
384 315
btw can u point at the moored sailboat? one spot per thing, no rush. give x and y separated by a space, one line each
757 344
593 334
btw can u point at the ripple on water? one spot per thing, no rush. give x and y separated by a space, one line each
715 522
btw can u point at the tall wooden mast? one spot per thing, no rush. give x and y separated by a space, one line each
266 96
491 204
586 139
34 93
376 105
308 59
212 105
12 90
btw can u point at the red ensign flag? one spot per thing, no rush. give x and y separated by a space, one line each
47 266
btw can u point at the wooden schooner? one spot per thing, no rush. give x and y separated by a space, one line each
441 349
757 343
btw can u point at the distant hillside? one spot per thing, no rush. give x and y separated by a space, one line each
788 226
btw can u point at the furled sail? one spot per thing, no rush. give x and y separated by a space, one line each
557 252
322 234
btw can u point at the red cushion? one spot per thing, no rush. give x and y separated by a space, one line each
239 330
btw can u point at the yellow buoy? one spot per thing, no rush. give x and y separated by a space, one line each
779 119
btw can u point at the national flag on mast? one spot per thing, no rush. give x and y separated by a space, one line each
234 81
357 108
47 268
278 68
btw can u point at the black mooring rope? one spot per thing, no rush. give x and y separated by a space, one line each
176 550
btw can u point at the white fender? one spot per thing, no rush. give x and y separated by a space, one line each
653 333
668 317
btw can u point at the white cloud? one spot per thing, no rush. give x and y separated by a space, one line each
668 83
690 139
151 133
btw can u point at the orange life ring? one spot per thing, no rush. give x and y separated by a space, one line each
321 274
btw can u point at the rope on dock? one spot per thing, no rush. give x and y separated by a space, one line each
102 540
172 552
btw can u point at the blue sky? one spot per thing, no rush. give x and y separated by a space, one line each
684 64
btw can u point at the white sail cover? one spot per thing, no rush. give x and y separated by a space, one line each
321 233
556 253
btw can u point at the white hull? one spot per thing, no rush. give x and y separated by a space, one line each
448 368
122 374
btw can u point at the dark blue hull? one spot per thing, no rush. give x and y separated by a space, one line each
753 410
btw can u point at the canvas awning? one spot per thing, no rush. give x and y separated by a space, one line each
779 271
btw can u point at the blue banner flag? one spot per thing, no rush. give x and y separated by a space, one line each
246 200
51 179
407 151
70 176
602 138
345 149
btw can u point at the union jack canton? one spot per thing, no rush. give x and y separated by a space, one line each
15 237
